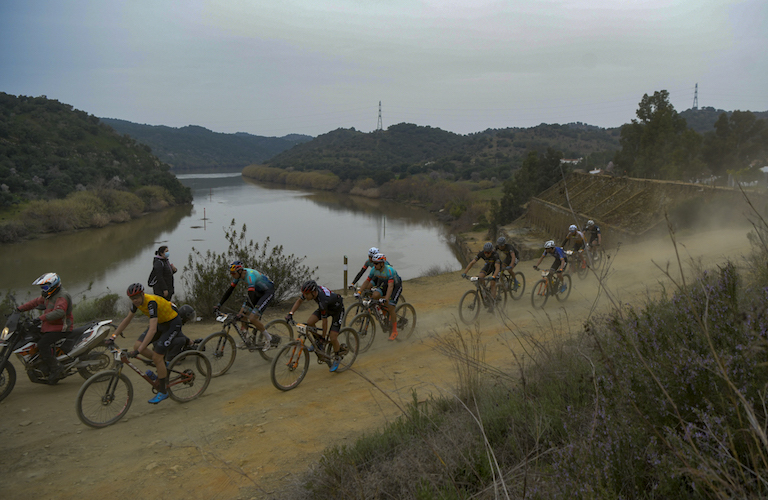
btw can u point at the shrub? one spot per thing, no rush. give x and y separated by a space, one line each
98 308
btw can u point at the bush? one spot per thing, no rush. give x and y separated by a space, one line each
206 277
96 309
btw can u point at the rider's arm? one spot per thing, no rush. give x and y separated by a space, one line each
565 241
123 324
359 274
31 304
296 305
469 266
59 311
227 293
498 269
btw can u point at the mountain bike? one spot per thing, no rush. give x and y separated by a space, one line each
473 300
220 347
358 306
513 283
550 284
291 363
106 397
597 254
375 310
579 260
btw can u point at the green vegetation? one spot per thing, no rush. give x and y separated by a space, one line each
193 148
661 401
95 309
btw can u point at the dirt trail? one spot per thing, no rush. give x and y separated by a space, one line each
244 438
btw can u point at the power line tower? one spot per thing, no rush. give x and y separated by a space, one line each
379 126
695 98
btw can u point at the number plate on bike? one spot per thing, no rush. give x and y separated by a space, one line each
118 355
473 278
301 328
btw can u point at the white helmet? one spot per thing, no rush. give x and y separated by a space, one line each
372 251
572 228
590 222
549 244
49 284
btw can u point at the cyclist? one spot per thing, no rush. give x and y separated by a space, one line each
329 304
385 283
261 290
592 233
577 240
56 322
511 257
164 327
492 266
368 263
559 264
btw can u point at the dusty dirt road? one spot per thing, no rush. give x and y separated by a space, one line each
245 439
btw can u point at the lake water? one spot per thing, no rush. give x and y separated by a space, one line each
322 226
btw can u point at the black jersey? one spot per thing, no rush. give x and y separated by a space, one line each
328 302
509 252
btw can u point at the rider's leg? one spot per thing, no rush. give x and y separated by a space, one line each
45 347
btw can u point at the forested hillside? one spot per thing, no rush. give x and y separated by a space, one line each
193 148
703 120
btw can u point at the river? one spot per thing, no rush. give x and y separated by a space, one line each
322 226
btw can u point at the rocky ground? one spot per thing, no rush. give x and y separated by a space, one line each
245 439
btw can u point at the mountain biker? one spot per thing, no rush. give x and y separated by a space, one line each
261 290
384 283
511 256
592 234
492 266
329 304
55 322
576 238
164 327
368 263
559 264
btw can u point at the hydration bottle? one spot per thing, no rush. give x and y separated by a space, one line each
151 375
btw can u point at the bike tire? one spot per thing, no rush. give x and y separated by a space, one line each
539 294
349 337
406 321
290 366
279 327
101 354
501 297
7 380
220 349
565 280
353 311
189 374
469 307
104 399
365 326
516 293
582 269
597 258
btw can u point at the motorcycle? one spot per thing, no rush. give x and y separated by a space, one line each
82 350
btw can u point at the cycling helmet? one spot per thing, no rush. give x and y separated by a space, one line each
49 284
501 241
590 222
235 266
372 251
549 244
309 286
379 257
572 228
186 313
135 289
488 247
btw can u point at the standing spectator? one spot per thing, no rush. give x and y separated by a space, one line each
161 277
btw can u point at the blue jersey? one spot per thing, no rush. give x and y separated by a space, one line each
255 280
386 275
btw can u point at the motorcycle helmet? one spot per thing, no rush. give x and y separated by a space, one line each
186 313
488 247
572 228
549 244
309 286
372 251
135 289
49 284
235 266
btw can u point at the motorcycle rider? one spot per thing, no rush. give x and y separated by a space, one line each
56 322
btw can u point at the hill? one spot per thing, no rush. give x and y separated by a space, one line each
703 120
197 148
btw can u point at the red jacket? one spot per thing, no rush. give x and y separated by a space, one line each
58 312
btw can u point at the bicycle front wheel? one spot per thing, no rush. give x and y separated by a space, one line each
365 326
350 343
561 294
104 399
353 311
516 286
220 350
189 374
290 366
583 268
279 327
539 294
469 307
406 321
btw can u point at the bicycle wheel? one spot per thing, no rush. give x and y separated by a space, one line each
501 297
103 359
365 326
539 294
406 321
469 306
279 327
353 311
189 374
561 294
290 366
597 258
582 269
349 338
104 399
220 350
516 286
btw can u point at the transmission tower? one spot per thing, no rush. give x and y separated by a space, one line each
379 126
695 98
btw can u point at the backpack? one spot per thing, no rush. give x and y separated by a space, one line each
152 280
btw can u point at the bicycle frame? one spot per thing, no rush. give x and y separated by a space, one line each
230 320
121 357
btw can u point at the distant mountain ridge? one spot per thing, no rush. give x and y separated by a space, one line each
193 147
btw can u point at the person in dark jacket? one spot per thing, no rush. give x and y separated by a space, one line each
161 279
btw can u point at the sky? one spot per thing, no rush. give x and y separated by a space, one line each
273 68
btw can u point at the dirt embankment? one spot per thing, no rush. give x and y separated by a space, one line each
245 439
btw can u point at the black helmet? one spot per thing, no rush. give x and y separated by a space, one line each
135 289
309 286
488 247
186 313
501 241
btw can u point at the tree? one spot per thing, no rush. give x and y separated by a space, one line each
736 142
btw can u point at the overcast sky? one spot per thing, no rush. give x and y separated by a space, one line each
277 67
